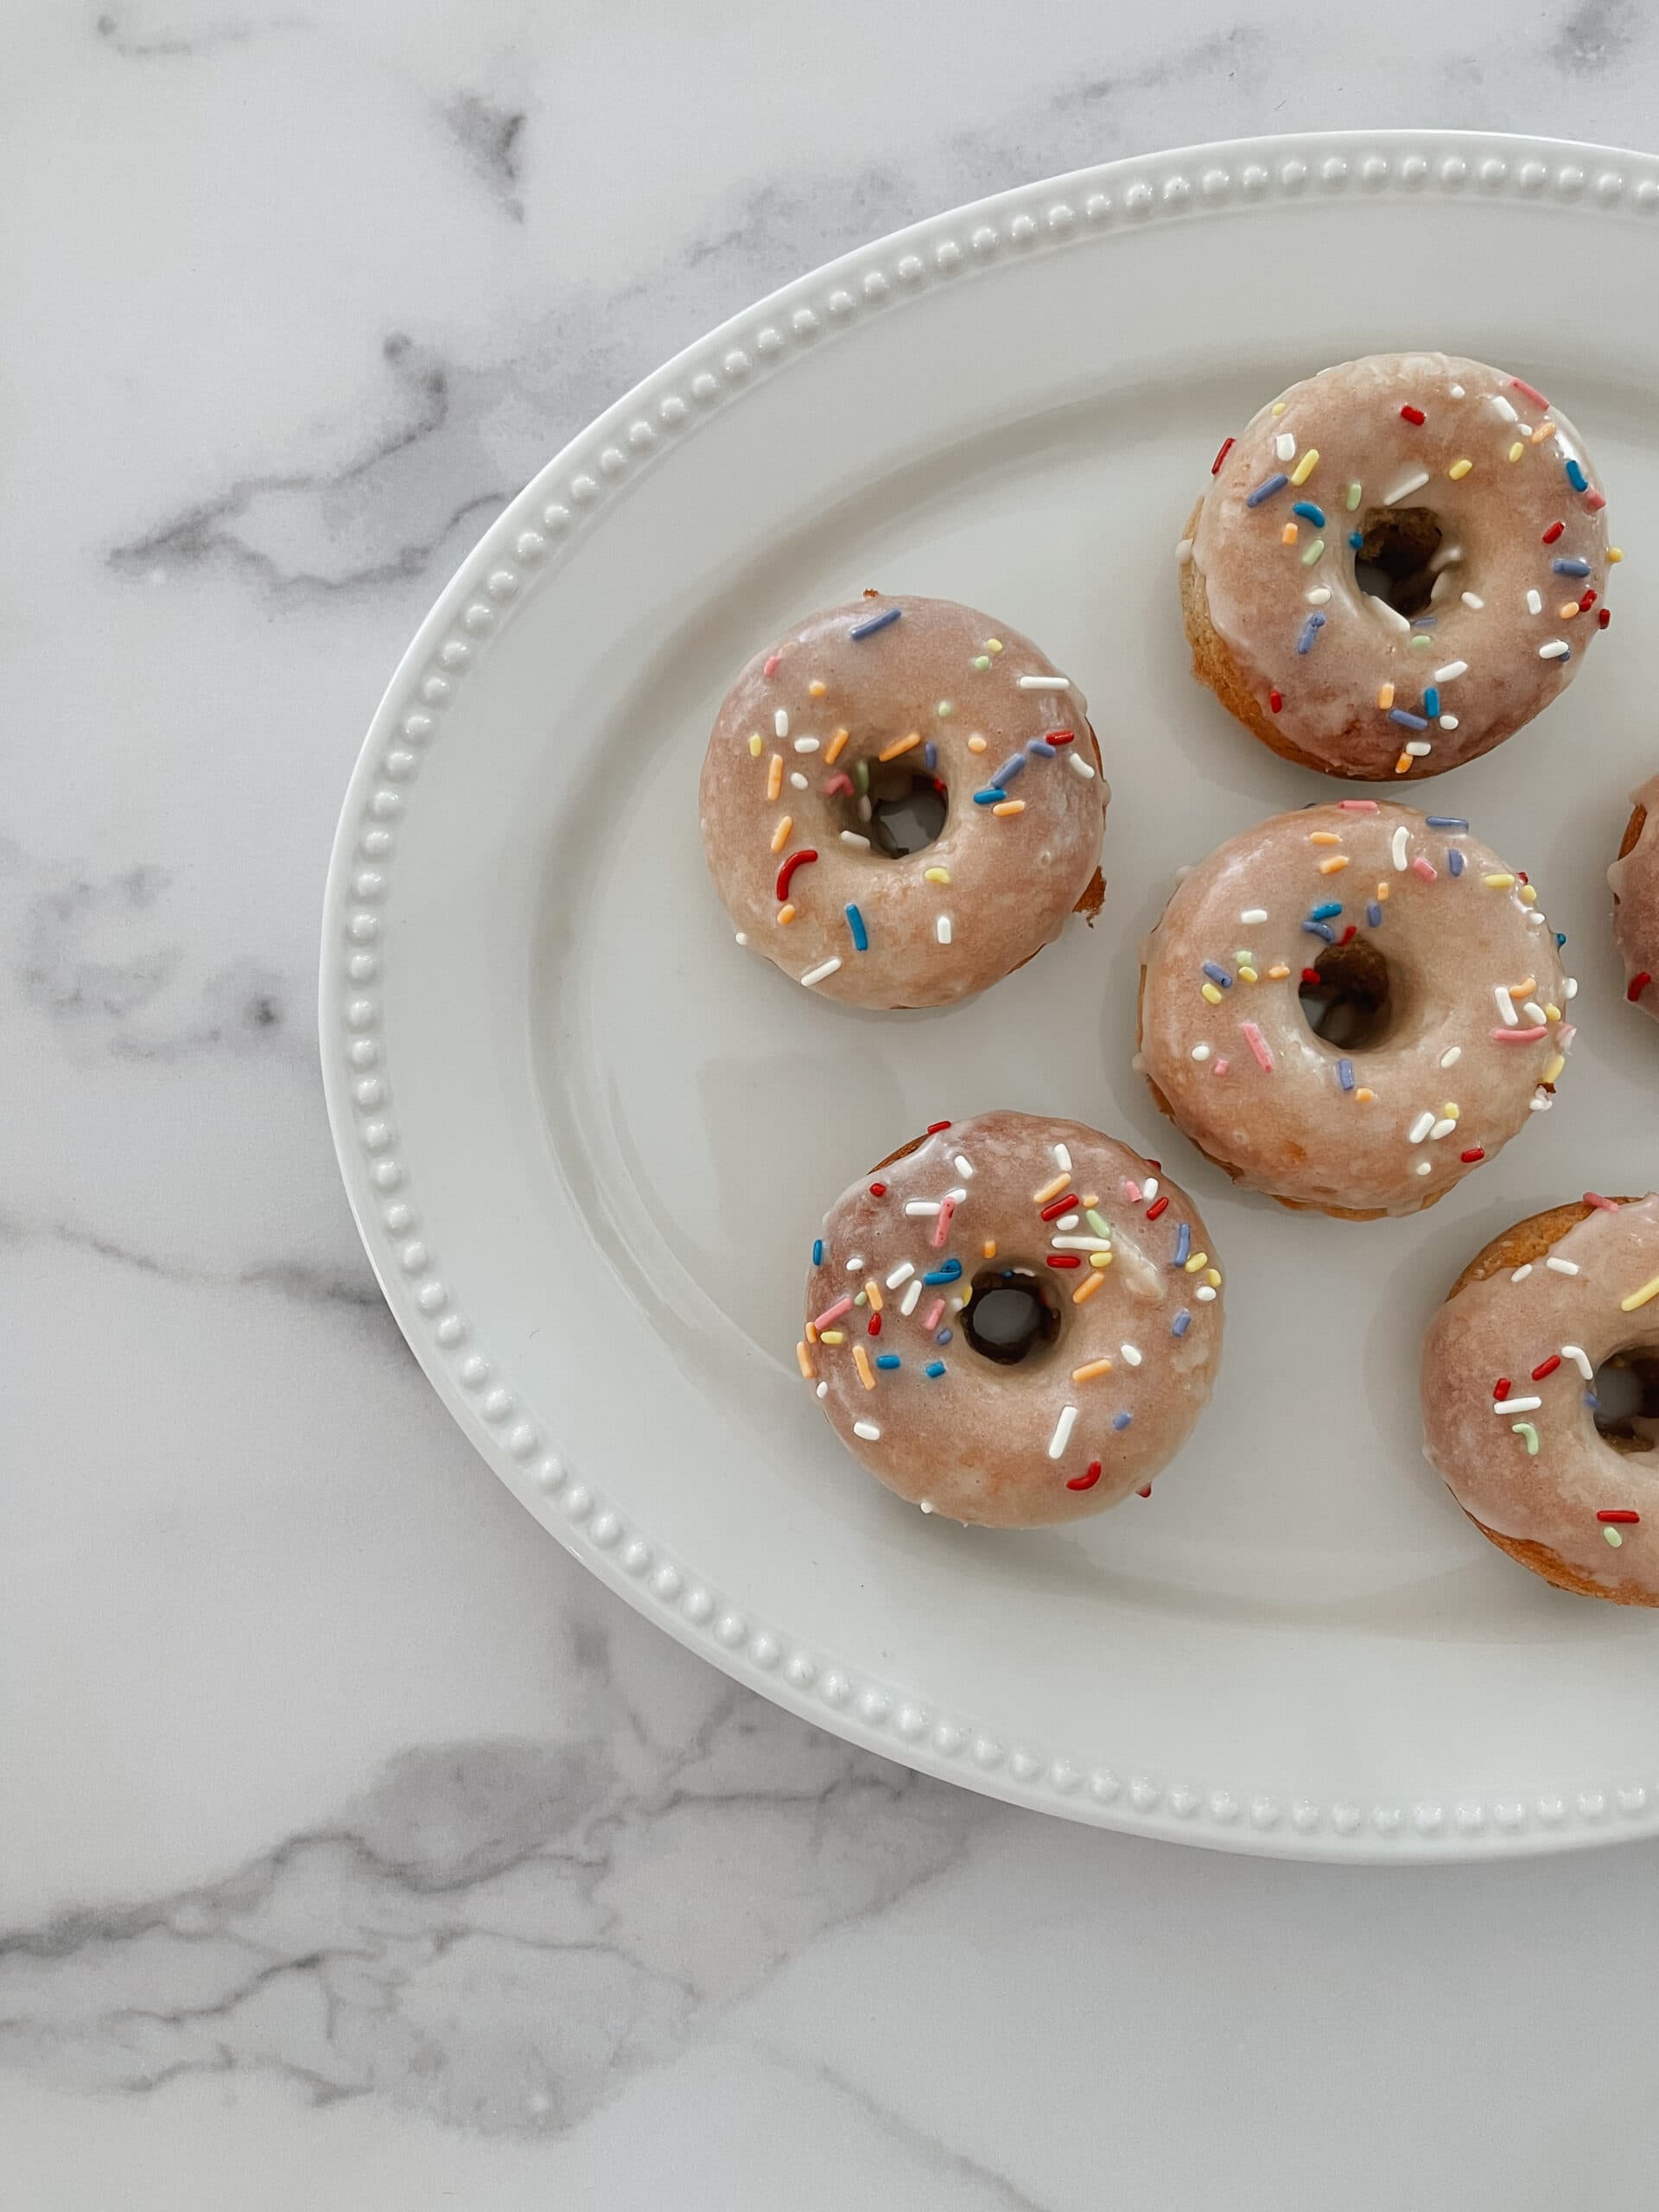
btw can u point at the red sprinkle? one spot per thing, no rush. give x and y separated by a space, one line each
1594 502
1586 602
1156 1166
1145 1491
1638 984
1604 617
1312 976
1275 699
933 1127
1413 415
1352 931
796 859
1501 1389
1064 1260
1554 532
1618 1513
1529 392
1059 1206
1549 1367
1158 1205
771 664
875 1325
1091 1474
1227 445
878 1190
1058 736
1595 1198
1475 1152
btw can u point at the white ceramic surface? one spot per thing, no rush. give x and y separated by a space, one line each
587 1142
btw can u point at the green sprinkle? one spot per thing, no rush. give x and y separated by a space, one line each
864 1298
862 775
981 660
1096 1223
1422 644
1529 1436
1313 553
945 709
1353 496
1614 1537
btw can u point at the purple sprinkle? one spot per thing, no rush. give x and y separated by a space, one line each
1345 1074
1406 722
1311 630
1374 915
1265 490
1040 748
1453 860
876 622
1009 770
1571 567
1219 975
930 753
1183 1244
1181 1323
1446 821
1122 1421
1320 929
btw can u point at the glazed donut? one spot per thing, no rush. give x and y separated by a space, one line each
1635 880
1518 1420
1457 489
1351 1006
1014 1321
838 748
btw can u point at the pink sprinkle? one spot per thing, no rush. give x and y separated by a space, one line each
942 1226
1220 1066
834 1312
1594 502
1358 806
1536 397
934 1314
1519 1036
1426 869
1254 1038
842 782
1595 1198
771 666
1131 1192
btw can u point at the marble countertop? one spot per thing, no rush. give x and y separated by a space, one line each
356 1850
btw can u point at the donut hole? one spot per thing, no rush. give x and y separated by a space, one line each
1394 559
1624 1399
907 810
1011 1315
1347 996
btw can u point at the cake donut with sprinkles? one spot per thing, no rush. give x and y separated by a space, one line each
1399 563
1013 1321
1635 880
1541 1395
901 800
1352 1007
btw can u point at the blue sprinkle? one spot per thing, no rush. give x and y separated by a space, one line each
1320 929
1592 1402
875 622
1425 622
1010 768
1039 748
1122 1421
1355 538
888 1359
987 798
1571 567
1406 722
1311 630
1560 938
1446 821
1578 480
1324 913
860 935
947 1271
1374 915
1219 975
818 1251
930 753
1345 1074
1181 1323
1431 702
1315 515
1183 1244
943 1337
934 1367
1266 489
1454 859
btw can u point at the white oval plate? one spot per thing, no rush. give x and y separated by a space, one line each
588 1140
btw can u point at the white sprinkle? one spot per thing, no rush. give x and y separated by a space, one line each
1397 846
1454 668
913 1297
799 782
1319 596
1068 1221
1576 1354
1450 1057
1044 683
1439 585
1200 1052
1534 1013
1057 1443
1505 1006
1504 407
780 722
1420 1127
1474 600
854 1263
1456 390
1515 1405
1390 613
1205 1293
866 807
964 1167
1284 446
817 975
1535 602
1557 649
854 837
926 1505
902 1273
1570 988
1131 1354
1448 721
1563 1268
1149 1190
1541 1102
1252 915
956 1196
868 1430
1062 1158
1443 1128
1183 552
919 1207
942 928
822 1390
1404 489
742 936
806 744
1417 749
1079 765
1423 1167
1080 1243
1521 1273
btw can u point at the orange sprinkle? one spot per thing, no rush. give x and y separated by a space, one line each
1545 430
1323 837
988 1248
803 1360
1009 806
1290 534
1086 1288
780 834
1086 1374
1385 696
811 1334
1567 611
902 745
861 1362
976 743
786 913
872 1292
1402 766
1363 1095
816 688
1382 893
774 775
1334 865
837 746
1049 1191
1278 972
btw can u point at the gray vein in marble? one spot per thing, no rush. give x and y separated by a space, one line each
489 135
1596 36
998 2188
169 46
306 1282
499 1934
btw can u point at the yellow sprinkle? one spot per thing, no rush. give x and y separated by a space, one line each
1639 1297
1280 405
833 1337
1212 993
1277 973
1529 894
1090 1198
1199 1260
1402 765
872 1292
1382 893
1213 1276
1306 466
1100 1259
755 742
1545 430
1334 866
1552 1012
1517 449
775 775
936 875
1614 554
786 914
1323 837
1566 610
964 1297
1363 1095
1497 882
1009 806
804 1361
815 688
1095 1367
837 746
1385 696
1049 1191
861 1362
988 1248
1290 534
976 743
780 834
902 744
993 644
1451 1110
1249 974
1459 468
1554 1068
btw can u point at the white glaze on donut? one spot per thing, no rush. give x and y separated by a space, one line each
1529 1335
942 691
1497 468
1481 1006
1635 882
1130 1272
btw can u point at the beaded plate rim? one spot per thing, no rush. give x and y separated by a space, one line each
524 548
